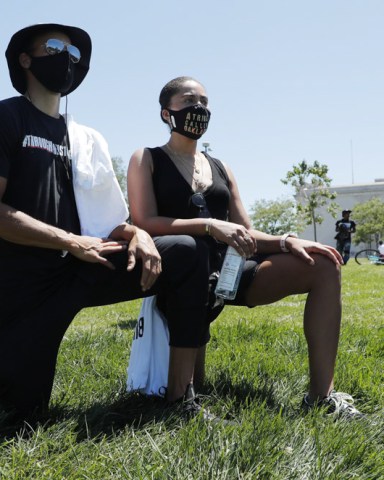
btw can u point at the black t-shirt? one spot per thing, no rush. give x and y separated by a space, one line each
34 158
344 228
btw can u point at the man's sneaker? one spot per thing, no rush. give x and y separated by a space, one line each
190 407
337 404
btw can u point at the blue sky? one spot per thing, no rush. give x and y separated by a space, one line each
287 80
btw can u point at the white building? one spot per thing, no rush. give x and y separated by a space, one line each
347 197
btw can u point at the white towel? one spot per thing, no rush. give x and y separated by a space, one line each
100 202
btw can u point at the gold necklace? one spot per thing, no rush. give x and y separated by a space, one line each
194 172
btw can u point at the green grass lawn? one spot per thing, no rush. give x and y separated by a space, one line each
256 373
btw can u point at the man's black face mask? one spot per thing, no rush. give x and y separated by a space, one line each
55 72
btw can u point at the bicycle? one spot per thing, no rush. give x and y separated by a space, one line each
369 255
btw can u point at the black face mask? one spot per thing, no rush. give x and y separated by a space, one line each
192 122
55 72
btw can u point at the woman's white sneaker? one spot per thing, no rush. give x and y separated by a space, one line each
337 404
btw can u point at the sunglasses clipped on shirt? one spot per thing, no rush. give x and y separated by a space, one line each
54 46
198 200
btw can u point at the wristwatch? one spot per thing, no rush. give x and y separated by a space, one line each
283 239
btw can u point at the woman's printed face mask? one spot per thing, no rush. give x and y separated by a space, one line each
192 121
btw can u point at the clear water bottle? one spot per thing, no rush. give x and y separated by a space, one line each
230 274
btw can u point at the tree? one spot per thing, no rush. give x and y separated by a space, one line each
121 174
369 218
275 216
311 184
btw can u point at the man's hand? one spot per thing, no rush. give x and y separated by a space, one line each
94 249
142 246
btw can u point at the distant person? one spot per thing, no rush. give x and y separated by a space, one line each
381 248
344 228
174 189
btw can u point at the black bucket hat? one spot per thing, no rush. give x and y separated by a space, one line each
20 39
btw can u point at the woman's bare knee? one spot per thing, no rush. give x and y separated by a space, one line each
327 270
287 275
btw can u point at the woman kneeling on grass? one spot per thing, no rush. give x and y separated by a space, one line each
162 185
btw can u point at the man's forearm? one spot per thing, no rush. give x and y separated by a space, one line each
18 227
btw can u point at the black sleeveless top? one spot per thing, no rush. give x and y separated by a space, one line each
174 197
173 193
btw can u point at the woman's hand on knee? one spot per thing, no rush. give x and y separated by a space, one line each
303 248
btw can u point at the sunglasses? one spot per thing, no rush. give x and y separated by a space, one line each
53 46
198 200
